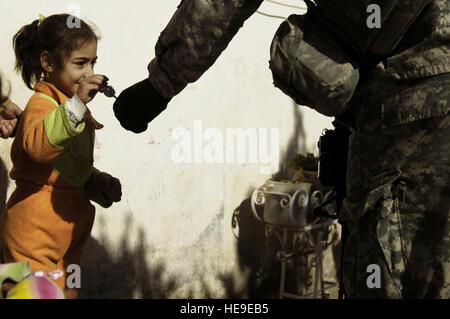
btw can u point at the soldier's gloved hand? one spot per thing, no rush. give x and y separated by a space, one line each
138 105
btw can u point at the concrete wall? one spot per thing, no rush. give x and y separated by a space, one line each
171 236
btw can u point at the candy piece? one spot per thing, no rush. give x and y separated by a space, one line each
109 91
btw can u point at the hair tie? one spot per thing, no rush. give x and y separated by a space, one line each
41 18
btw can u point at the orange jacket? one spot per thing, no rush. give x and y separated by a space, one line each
48 150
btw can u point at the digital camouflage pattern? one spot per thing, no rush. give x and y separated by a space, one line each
424 50
351 17
397 206
193 40
311 69
200 30
398 203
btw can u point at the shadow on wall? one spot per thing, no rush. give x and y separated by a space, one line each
258 252
255 254
125 274
294 147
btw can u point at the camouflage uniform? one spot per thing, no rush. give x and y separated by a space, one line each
397 206
398 201
193 40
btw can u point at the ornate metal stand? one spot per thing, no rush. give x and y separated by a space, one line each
286 215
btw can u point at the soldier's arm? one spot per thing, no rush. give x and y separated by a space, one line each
194 38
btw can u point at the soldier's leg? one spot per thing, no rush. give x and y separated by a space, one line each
425 213
413 214
367 274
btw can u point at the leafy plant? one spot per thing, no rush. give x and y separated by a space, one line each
300 168
302 162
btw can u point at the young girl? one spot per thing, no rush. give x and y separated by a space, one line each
49 217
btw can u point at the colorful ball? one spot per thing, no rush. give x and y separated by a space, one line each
36 288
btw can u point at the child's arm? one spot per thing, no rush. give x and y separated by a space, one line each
47 130
94 188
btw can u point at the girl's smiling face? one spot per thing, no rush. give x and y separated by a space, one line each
77 66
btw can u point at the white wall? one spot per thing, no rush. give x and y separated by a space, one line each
172 231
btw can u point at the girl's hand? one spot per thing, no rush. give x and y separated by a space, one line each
90 86
112 189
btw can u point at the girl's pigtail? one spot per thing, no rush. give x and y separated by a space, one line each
27 49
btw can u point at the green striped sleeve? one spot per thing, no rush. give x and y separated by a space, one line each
13 271
58 127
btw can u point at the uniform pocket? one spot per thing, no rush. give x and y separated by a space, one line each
360 200
389 233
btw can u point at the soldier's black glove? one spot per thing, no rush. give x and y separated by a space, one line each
139 105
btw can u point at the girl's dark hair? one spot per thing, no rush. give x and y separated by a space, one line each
56 34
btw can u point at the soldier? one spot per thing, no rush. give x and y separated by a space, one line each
397 204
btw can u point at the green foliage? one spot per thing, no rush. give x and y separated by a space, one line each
301 162
300 168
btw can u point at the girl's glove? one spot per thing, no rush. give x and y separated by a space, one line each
112 189
139 105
